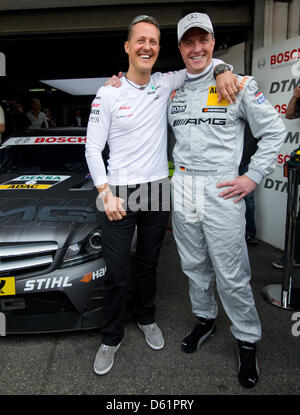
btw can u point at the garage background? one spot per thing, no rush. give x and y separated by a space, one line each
52 39
71 39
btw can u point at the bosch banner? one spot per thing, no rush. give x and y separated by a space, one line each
277 71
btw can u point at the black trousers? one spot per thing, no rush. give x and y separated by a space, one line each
148 211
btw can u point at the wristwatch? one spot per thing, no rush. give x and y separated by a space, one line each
104 193
221 68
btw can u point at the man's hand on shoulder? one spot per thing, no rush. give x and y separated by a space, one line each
228 86
114 80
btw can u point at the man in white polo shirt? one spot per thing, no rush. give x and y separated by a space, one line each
135 192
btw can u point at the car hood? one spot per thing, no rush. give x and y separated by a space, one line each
47 207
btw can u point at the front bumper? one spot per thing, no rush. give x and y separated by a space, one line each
63 300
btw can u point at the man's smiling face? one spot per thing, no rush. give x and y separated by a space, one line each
196 48
143 46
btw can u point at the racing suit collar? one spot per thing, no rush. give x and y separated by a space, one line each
191 78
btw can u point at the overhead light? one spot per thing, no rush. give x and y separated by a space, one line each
37 90
80 86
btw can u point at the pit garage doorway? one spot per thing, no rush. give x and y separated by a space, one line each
76 41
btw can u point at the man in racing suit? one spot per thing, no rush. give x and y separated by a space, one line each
208 225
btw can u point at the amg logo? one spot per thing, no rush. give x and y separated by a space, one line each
198 121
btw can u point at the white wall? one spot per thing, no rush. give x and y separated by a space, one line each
234 55
277 74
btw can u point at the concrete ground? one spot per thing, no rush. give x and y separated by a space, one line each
62 364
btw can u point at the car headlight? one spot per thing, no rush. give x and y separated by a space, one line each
87 250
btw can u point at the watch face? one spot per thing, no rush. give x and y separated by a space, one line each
103 194
222 67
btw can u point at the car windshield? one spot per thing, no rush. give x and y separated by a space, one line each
44 158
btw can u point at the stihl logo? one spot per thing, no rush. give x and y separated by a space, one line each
91 276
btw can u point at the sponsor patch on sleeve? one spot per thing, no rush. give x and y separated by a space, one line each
260 98
243 82
173 94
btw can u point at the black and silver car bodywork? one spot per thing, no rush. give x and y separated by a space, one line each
51 265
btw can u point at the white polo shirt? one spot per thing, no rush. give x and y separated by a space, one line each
134 124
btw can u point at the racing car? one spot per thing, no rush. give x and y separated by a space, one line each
51 264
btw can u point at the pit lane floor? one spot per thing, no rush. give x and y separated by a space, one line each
62 364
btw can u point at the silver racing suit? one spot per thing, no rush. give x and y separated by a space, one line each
210 230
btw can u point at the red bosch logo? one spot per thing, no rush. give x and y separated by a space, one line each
60 140
286 56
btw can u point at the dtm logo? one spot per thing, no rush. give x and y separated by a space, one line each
285 85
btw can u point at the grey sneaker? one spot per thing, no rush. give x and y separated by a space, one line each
153 335
104 359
